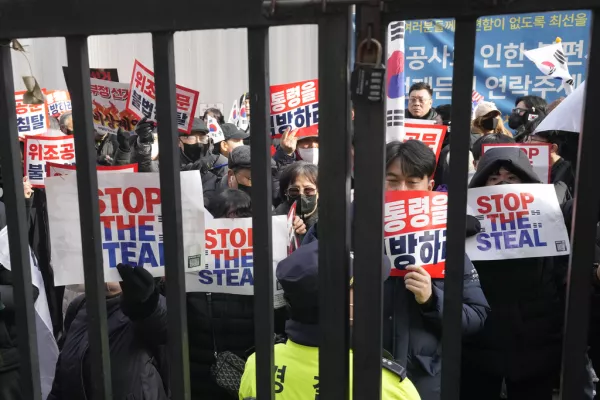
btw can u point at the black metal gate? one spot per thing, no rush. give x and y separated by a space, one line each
77 20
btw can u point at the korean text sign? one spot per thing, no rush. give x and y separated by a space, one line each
294 105
142 98
130 224
53 169
431 135
502 72
538 154
517 221
59 102
229 266
32 119
109 102
415 231
38 150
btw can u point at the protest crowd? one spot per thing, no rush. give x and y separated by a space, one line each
522 169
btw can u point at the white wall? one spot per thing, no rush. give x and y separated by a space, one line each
215 62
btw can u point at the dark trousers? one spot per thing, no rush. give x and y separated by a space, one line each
479 385
9 385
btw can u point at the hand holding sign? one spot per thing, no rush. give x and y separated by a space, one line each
418 281
299 226
27 188
289 141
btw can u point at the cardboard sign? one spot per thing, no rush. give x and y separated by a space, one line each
32 119
130 224
294 105
538 154
293 243
414 231
229 266
109 102
517 221
431 135
142 98
38 150
59 102
53 169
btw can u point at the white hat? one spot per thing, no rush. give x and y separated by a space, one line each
484 108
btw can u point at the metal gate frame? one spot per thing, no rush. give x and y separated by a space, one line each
76 22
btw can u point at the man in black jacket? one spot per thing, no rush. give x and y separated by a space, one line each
414 305
137 328
522 337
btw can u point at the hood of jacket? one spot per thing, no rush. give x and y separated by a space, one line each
512 158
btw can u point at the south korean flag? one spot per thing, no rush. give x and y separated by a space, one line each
551 60
395 90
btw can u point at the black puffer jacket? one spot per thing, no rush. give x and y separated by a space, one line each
522 336
233 324
135 354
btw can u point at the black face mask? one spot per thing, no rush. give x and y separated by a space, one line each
307 204
515 120
489 124
194 151
246 189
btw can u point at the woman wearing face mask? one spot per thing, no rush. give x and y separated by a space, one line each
298 184
487 121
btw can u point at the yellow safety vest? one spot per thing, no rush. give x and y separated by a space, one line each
297 376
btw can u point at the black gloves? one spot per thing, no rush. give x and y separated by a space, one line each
473 226
104 160
123 139
144 130
140 295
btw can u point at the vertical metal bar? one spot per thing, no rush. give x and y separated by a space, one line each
17 230
464 52
170 190
583 238
258 54
334 217
369 170
91 241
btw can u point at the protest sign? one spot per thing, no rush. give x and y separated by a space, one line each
294 105
142 98
47 348
54 169
40 149
538 154
59 102
517 221
109 101
130 224
293 243
32 119
415 231
105 74
431 135
229 266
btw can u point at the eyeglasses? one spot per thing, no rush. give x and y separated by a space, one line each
419 100
295 192
519 111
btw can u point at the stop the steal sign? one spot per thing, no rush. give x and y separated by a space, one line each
538 154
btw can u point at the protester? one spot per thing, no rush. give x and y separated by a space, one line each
413 306
137 328
297 360
298 184
522 337
197 149
488 120
296 148
527 108
233 137
220 322
494 138
66 123
444 116
215 113
420 100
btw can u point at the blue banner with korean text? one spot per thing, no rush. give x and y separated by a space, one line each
502 72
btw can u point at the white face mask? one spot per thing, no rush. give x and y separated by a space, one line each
310 155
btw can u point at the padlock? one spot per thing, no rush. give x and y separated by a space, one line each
369 73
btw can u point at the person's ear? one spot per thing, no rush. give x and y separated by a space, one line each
430 185
554 148
224 146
